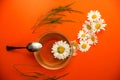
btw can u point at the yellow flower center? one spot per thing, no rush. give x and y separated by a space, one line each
83 35
94 16
88 27
60 49
93 38
84 46
97 26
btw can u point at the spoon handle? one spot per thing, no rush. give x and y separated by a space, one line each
8 48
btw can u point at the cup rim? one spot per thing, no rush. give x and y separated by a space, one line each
65 63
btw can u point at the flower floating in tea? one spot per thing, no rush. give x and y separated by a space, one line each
61 50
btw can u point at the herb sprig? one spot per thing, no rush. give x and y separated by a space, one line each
36 75
55 16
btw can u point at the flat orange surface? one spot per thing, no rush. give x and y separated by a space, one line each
17 18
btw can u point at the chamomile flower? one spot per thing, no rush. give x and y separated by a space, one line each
61 50
87 26
82 35
87 36
99 25
94 15
84 46
74 46
93 39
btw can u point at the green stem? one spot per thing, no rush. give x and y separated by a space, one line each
29 74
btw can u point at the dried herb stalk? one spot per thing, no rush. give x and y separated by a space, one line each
28 74
36 75
55 16
56 78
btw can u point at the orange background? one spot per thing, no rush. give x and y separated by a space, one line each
17 17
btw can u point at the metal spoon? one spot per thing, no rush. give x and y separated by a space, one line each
32 47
